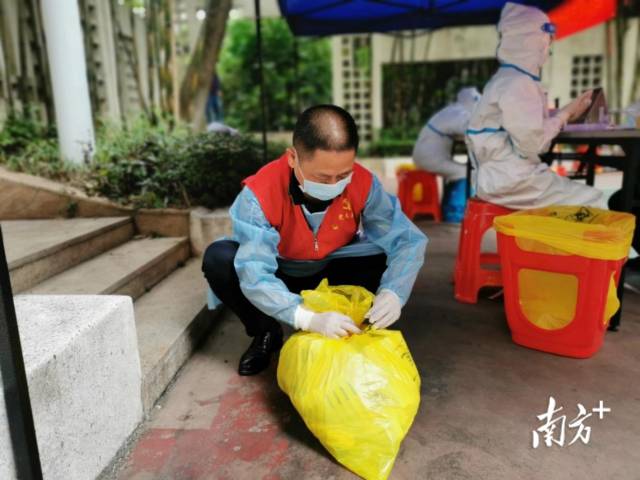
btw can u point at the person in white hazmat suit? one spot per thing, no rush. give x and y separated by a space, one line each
511 125
432 151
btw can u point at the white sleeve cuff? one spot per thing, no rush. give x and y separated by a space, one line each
302 318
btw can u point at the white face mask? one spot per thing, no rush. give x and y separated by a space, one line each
322 191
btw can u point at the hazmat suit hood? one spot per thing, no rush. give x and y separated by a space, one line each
468 97
523 39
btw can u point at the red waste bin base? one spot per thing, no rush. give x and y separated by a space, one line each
583 336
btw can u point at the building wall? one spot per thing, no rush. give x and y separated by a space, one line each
101 53
631 71
577 63
114 87
564 72
351 81
246 8
446 44
24 76
9 24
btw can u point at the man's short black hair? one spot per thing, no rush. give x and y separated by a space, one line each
325 127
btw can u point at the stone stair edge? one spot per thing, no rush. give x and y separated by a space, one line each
117 222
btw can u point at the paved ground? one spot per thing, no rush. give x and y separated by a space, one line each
480 397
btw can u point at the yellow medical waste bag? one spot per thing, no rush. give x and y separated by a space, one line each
351 300
549 299
574 230
359 394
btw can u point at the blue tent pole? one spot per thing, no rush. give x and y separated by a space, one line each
263 100
14 383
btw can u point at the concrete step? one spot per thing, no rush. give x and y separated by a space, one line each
82 365
130 269
39 249
170 322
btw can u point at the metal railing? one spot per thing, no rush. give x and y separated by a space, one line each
14 383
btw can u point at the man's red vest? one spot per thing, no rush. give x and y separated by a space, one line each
270 185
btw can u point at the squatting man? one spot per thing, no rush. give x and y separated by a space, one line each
313 213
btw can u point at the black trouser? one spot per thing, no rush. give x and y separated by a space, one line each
222 277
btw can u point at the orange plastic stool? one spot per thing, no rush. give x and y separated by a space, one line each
430 201
584 334
469 275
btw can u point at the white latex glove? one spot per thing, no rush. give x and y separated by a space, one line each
576 108
385 310
329 324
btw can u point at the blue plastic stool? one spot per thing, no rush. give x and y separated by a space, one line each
454 201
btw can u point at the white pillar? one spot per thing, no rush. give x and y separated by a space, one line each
65 49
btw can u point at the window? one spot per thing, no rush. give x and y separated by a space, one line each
355 59
586 73
412 92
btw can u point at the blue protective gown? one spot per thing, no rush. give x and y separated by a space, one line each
385 229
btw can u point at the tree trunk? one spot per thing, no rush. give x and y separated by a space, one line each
171 68
611 59
89 53
635 87
8 51
133 56
632 14
621 30
160 58
43 77
115 28
197 79
24 87
151 60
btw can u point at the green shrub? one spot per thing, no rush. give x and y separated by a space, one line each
289 87
144 165
26 145
391 148
18 132
130 164
393 142
154 167
41 157
212 167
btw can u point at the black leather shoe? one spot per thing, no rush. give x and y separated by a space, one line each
258 355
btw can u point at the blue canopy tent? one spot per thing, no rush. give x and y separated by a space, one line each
332 17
